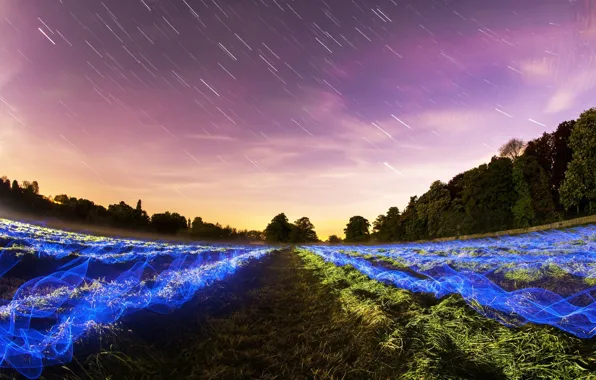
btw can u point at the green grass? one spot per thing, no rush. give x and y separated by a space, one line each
294 316
272 320
447 339
550 271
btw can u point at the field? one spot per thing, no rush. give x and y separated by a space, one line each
81 307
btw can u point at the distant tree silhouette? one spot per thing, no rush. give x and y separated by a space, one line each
16 189
388 227
303 231
168 223
26 198
357 229
334 239
279 230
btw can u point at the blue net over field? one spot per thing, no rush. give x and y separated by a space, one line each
543 278
96 282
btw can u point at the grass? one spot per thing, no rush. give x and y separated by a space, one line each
272 320
295 316
447 339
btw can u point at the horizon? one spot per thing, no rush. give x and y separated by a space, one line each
326 126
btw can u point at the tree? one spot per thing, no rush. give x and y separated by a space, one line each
387 227
122 214
579 185
334 239
196 223
139 205
542 150
380 228
204 230
279 230
168 223
543 204
413 227
431 206
61 198
30 187
16 189
574 187
357 229
25 185
303 231
561 155
523 213
553 154
512 149
488 196
4 186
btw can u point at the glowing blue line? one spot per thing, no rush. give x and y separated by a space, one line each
159 277
453 267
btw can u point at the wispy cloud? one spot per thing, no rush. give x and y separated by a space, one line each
571 89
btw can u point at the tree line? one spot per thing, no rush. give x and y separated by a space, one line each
542 181
25 197
547 179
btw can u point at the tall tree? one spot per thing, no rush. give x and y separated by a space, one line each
357 229
387 227
431 206
553 153
562 155
16 189
379 228
4 186
523 213
413 226
279 230
542 149
488 196
512 149
543 203
303 231
579 186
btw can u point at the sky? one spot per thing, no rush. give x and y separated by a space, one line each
238 110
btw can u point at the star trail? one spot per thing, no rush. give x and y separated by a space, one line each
238 110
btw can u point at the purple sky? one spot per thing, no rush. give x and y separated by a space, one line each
238 110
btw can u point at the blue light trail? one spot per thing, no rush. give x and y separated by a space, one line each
48 314
473 269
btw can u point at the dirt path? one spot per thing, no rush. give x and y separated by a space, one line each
271 320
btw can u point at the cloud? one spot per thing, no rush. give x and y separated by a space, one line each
451 120
537 69
570 90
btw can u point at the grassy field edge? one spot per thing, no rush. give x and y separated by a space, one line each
447 339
